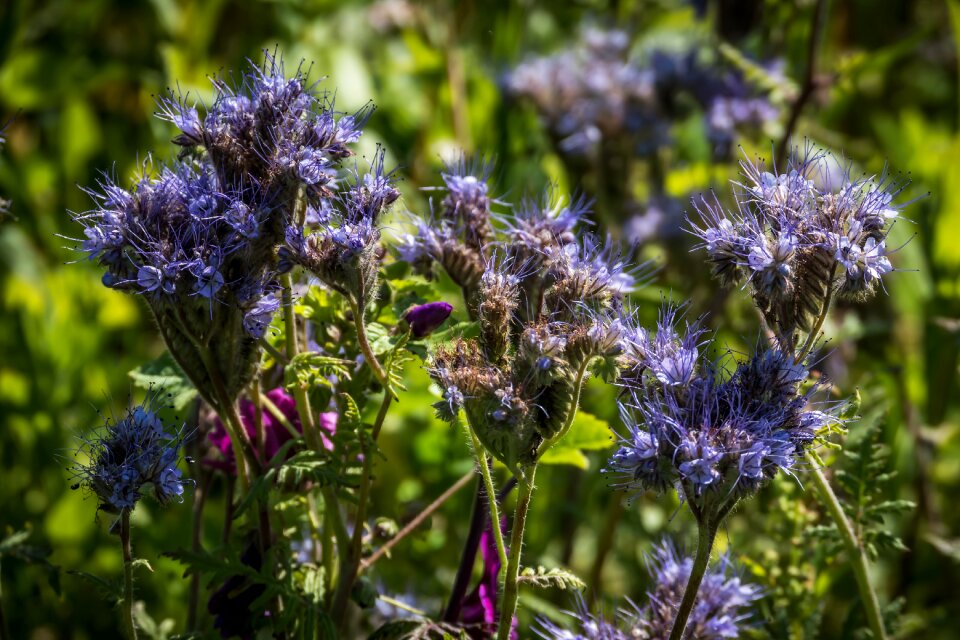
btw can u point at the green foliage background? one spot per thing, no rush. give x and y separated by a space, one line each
78 79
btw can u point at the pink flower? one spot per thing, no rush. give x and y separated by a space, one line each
274 432
479 609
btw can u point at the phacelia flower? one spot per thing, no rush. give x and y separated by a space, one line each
720 611
198 239
345 253
128 455
715 435
547 303
799 236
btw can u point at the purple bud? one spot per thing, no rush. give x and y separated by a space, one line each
424 318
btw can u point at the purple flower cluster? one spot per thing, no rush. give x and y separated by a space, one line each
127 455
546 301
715 435
597 92
799 236
719 611
199 239
344 252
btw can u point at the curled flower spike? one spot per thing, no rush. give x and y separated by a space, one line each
199 239
126 456
717 437
800 237
345 253
456 237
720 611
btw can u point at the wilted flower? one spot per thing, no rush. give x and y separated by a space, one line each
129 454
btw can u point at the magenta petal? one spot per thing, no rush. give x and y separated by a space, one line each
424 318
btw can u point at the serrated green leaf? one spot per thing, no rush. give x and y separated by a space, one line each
546 578
164 375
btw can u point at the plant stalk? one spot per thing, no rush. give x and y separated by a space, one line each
858 559
126 609
510 591
348 573
706 535
417 521
491 492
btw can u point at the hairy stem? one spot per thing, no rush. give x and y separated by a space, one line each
706 535
510 591
417 521
126 609
304 411
364 343
490 490
348 573
858 559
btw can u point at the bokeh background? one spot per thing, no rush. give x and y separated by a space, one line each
78 80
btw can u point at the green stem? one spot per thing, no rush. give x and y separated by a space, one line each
510 592
481 455
348 573
334 519
255 396
858 559
707 534
127 607
304 411
274 411
574 403
364 343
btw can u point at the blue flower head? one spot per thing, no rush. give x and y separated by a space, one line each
801 235
720 611
199 238
129 454
345 252
715 435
